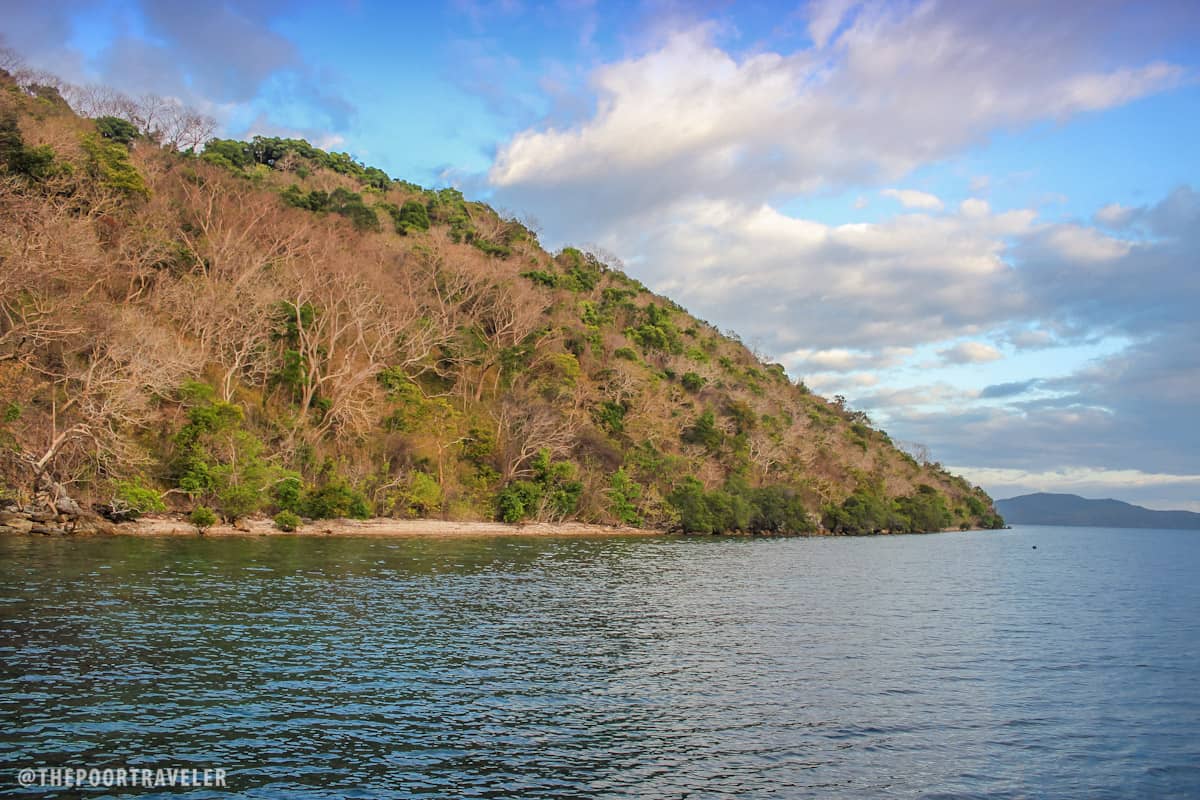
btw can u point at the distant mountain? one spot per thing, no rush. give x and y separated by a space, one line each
1070 509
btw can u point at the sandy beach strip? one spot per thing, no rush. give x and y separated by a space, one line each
169 525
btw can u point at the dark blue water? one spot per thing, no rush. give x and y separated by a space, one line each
955 665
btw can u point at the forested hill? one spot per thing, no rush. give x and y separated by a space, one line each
265 327
1072 510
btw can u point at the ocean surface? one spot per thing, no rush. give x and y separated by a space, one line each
952 665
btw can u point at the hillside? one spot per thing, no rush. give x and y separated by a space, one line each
1073 510
269 328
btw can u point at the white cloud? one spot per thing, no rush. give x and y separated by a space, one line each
837 382
974 207
840 359
1164 491
824 18
1085 245
911 198
970 353
887 88
805 288
1066 480
1114 215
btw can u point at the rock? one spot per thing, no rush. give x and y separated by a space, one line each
43 530
17 524
43 516
68 507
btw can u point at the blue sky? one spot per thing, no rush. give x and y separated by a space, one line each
977 221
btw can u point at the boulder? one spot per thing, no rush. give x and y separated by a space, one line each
16 522
67 507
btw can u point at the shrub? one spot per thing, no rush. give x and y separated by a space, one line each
703 432
117 129
626 353
203 518
287 521
424 494
334 500
517 500
778 509
623 493
692 382
413 216
109 163
131 500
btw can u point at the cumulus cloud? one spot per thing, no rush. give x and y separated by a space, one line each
885 87
840 359
800 286
970 353
911 198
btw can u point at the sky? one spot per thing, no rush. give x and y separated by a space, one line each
979 222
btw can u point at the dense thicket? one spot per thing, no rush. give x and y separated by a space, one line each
265 327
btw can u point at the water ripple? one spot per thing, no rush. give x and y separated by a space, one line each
939 666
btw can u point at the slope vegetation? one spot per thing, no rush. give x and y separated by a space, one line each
269 328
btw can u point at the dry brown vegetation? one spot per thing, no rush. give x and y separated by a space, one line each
186 331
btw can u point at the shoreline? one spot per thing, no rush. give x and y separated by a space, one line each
154 526
165 525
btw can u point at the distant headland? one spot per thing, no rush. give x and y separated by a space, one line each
1044 508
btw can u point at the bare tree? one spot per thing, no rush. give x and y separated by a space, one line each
524 428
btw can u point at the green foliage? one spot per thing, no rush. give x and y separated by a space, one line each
412 216
553 492
340 201
867 510
108 163
11 412
768 509
202 518
704 432
778 509
581 271
287 521
625 353
656 331
335 500
924 510
228 153
610 415
135 499
287 492
269 151
692 382
690 501
517 500
623 494
492 248
218 460
541 278
350 205
423 495
447 207
117 129
35 163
